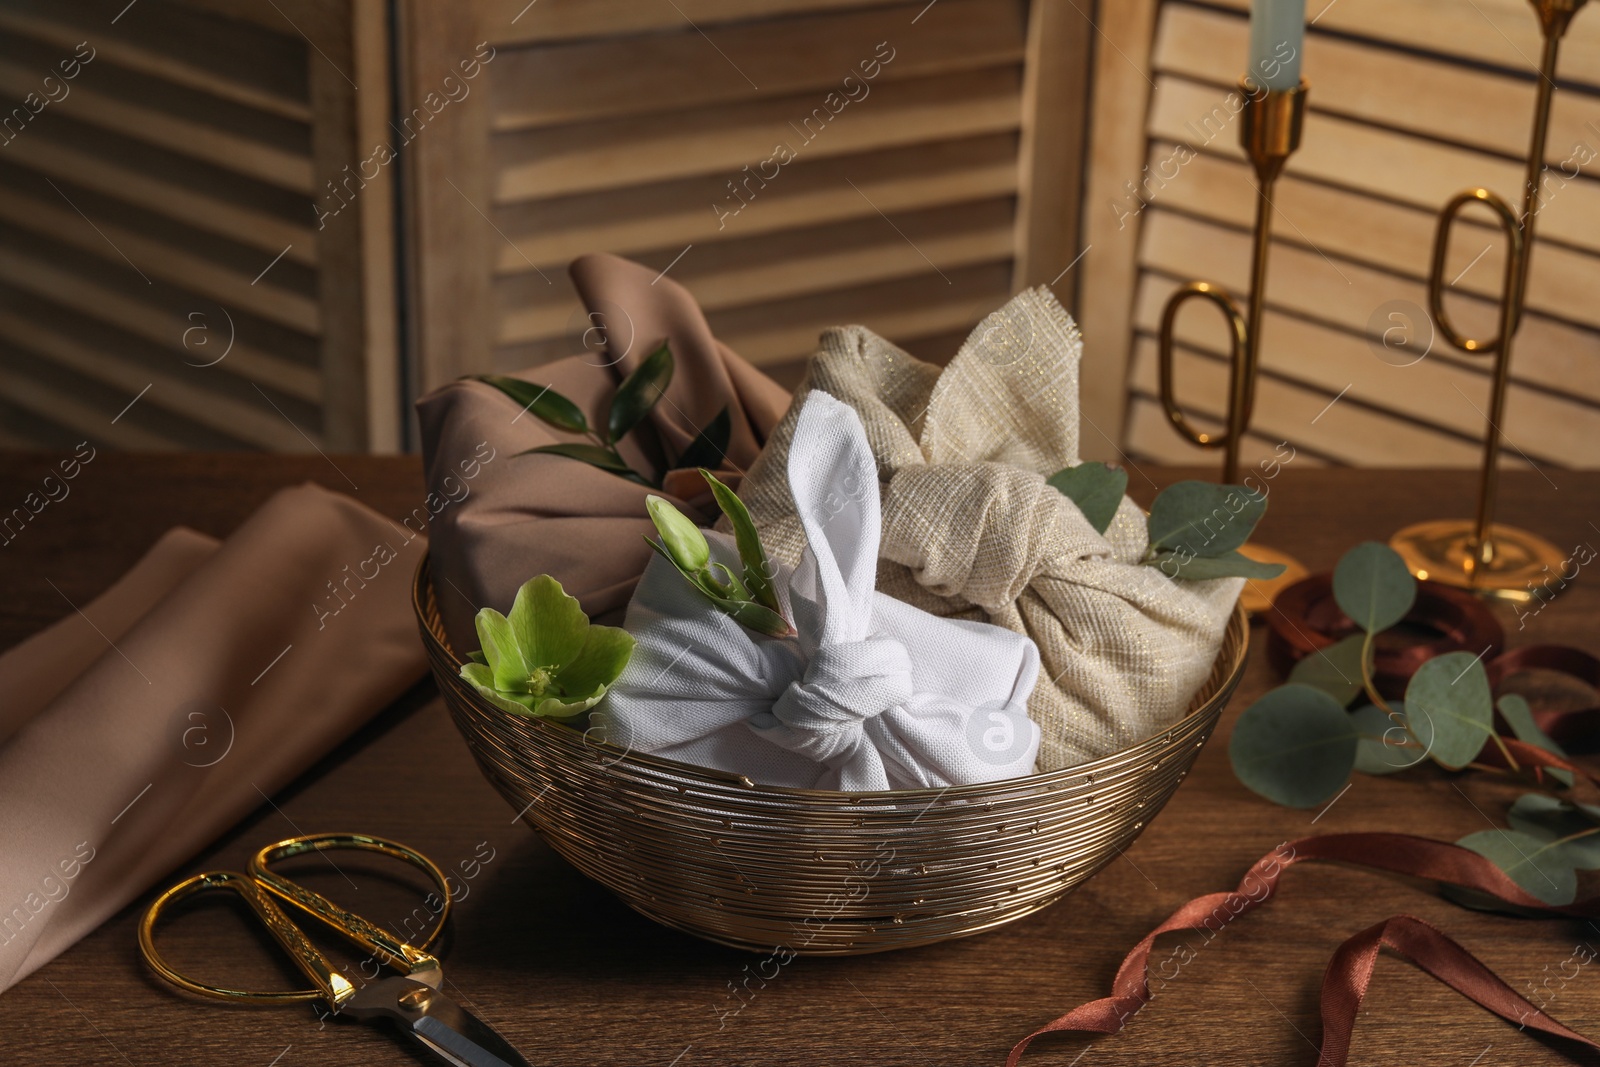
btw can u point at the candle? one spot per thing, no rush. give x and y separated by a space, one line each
1277 37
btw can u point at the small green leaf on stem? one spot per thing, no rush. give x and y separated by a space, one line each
1096 488
758 570
1231 564
542 401
1386 744
639 392
1204 518
1295 746
1570 830
594 455
1451 692
710 446
1530 862
1514 709
1336 670
1373 586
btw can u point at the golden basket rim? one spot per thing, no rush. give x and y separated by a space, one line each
1222 681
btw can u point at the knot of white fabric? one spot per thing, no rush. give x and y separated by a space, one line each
822 716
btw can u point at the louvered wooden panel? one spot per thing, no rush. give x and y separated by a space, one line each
1393 132
624 125
165 210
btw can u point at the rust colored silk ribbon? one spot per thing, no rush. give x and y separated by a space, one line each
1350 970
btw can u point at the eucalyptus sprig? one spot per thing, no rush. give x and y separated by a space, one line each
749 597
1196 528
635 397
1298 744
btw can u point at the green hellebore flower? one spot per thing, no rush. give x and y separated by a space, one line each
546 658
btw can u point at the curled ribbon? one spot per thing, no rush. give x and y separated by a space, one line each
1349 972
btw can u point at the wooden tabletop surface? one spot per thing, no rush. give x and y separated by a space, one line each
571 976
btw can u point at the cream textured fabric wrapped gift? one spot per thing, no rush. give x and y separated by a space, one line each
871 694
972 530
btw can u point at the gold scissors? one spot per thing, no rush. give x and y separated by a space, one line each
412 1000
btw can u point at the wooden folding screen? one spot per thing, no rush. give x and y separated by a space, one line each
651 129
1411 100
173 187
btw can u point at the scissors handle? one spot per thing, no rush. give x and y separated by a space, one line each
261 885
332 986
390 950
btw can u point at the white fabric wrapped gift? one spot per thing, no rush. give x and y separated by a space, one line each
872 693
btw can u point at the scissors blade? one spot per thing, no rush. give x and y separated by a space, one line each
455 1034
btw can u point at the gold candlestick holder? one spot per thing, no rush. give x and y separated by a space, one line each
1270 126
1480 554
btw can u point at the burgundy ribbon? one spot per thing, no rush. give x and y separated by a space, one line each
1350 970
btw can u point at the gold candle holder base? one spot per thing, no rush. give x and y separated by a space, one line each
1446 550
1259 593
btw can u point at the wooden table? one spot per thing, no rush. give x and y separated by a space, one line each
571 976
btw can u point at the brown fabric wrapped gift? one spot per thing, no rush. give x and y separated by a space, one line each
517 516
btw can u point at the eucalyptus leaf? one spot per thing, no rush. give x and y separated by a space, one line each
1336 670
1451 692
1096 488
1295 746
639 392
1570 829
1531 863
1514 709
542 401
1204 518
1372 585
1232 564
1385 747
758 570
710 446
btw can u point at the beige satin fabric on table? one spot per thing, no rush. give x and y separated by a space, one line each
136 732
544 514
972 530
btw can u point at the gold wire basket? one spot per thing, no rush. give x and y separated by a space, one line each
813 872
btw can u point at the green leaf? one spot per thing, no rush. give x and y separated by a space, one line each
1373 586
1336 670
758 571
605 652
549 625
482 679
1385 747
594 455
544 402
1529 862
1232 564
1295 746
1451 694
1553 821
758 617
683 541
1514 709
500 648
639 392
710 446
1206 519
1096 488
